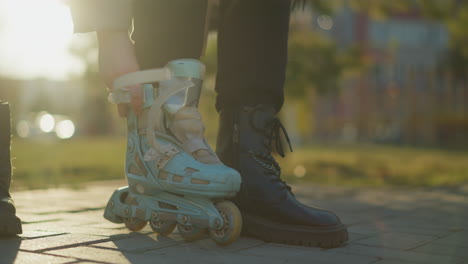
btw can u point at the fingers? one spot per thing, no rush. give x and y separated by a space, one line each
136 92
122 109
136 101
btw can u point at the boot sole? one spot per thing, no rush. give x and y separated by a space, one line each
10 225
268 231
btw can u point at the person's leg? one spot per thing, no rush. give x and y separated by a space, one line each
168 30
252 61
252 52
9 223
172 30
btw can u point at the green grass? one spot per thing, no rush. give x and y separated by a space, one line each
52 163
377 165
43 164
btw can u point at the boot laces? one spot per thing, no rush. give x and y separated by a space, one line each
272 132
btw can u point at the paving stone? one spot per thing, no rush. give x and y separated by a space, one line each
34 258
61 226
436 248
422 223
296 254
393 261
98 228
375 228
31 234
36 218
395 227
455 239
200 251
95 254
140 243
439 219
53 242
367 229
189 253
386 225
10 253
9 249
397 240
394 254
105 224
241 244
353 237
80 262
94 216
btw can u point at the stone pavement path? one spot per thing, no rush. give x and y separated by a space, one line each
385 225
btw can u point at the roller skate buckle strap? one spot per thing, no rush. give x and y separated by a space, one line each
120 93
178 68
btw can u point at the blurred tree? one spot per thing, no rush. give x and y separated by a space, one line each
315 62
453 13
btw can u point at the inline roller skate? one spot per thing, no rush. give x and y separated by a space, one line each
174 177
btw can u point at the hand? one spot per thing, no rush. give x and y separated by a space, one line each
116 58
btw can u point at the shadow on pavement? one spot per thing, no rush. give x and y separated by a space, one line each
137 244
9 248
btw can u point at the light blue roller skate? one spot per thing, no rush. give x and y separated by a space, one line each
174 177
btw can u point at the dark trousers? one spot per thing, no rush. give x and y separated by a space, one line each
252 44
5 163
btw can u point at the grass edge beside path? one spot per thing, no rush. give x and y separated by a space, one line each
53 163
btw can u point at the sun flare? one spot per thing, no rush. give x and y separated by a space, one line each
35 36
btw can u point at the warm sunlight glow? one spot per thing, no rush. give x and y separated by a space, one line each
35 36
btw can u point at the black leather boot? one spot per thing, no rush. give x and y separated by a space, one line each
10 225
269 209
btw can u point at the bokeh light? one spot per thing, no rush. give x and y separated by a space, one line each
299 171
23 129
65 129
46 122
325 22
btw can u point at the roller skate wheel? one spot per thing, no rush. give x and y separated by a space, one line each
134 224
162 228
232 226
190 233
